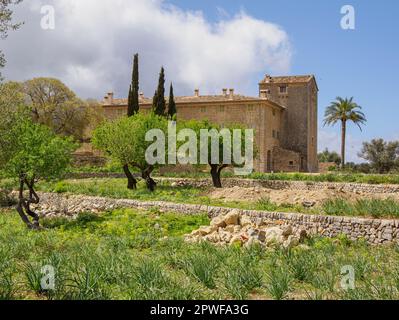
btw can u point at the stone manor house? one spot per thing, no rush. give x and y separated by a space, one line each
284 118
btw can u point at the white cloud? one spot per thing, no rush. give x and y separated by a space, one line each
332 141
93 43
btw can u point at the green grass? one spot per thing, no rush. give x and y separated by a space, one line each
375 208
120 255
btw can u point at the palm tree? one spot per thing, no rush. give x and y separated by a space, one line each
344 110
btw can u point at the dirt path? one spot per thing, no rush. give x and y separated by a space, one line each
291 196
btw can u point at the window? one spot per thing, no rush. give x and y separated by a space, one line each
274 113
221 108
203 109
283 90
291 163
274 134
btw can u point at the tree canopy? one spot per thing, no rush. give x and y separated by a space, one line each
31 152
124 140
344 110
329 156
222 156
383 156
133 97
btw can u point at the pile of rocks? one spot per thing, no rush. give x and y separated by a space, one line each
234 228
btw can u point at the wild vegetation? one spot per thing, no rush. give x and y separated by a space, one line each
127 254
115 188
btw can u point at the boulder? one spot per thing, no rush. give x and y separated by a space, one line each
274 235
218 222
291 242
287 231
245 221
232 217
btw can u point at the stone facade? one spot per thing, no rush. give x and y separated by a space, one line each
374 231
299 95
281 122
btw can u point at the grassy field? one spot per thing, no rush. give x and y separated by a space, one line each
127 254
116 188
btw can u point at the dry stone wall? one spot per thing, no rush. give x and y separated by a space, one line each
375 231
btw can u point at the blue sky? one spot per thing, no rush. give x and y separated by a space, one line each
211 44
363 63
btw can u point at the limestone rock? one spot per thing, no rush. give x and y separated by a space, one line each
218 222
232 217
245 221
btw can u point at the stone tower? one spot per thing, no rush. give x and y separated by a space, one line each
299 95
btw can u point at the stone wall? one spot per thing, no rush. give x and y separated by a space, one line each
374 231
292 185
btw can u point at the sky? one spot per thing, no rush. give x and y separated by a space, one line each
211 44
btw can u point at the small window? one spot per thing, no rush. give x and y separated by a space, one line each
283 90
274 113
274 134
291 163
203 109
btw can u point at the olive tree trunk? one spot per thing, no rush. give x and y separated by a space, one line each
131 181
23 206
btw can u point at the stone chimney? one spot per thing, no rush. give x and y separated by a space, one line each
196 93
109 98
231 94
224 91
265 94
268 78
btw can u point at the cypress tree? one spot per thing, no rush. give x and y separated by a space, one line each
133 99
172 104
155 102
160 106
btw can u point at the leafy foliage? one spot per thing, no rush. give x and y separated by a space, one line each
344 110
159 103
133 98
383 156
329 156
35 152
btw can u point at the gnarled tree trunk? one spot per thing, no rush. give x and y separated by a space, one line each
146 175
216 170
131 181
23 206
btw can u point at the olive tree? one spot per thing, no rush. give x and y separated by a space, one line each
125 141
219 147
31 152
383 156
